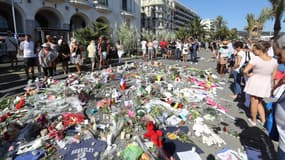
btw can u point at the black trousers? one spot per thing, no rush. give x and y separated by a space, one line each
48 71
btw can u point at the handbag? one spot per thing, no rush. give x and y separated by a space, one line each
247 59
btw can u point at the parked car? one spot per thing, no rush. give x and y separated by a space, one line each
4 57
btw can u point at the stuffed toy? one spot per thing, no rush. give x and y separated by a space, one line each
153 134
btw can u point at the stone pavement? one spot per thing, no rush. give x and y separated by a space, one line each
228 126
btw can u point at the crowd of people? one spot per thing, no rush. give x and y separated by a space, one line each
46 56
182 50
257 68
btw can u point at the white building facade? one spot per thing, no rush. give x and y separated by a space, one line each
183 15
166 15
157 15
38 17
210 24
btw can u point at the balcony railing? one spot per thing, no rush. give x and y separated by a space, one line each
81 3
102 6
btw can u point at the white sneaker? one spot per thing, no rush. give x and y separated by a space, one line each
251 123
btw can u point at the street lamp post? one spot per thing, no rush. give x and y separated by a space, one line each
14 20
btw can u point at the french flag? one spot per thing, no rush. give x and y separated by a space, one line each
123 84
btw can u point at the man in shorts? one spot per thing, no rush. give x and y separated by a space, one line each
12 46
27 49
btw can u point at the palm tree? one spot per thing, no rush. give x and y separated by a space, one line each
255 26
196 28
233 33
250 25
85 35
278 7
182 33
263 17
219 23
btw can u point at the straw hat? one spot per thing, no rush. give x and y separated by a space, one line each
224 43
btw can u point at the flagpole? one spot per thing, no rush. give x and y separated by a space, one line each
14 20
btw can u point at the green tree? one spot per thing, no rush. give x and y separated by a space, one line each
197 29
233 33
86 34
219 23
182 33
128 37
278 7
224 32
263 17
255 26
250 18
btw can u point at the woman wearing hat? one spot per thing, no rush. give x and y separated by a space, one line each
46 59
223 57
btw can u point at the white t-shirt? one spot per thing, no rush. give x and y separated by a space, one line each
242 56
155 43
178 45
224 52
143 43
28 49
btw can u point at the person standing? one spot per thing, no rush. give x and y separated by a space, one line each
120 51
27 49
155 47
64 53
279 48
259 84
185 50
102 49
143 47
75 55
53 46
150 49
178 50
223 57
38 48
109 46
239 59
91 49
46 58
163 46
59 42
12 46
194 50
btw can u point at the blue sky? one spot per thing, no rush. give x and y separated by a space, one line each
233 11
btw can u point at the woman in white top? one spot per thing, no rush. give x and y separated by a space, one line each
185 50
91 49
120 51
223 57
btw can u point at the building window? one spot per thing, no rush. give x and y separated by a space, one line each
125 5
3 23
103 2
